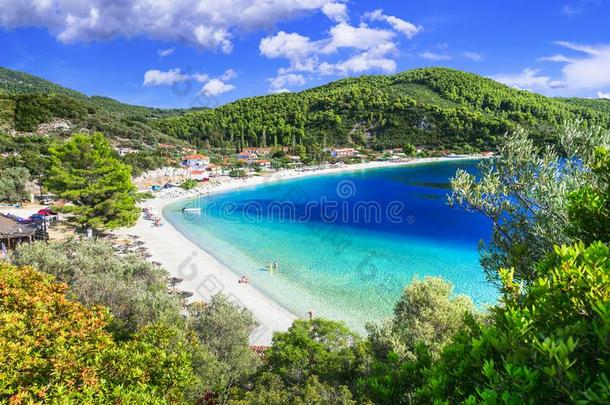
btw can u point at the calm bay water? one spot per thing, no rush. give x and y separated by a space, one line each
346 244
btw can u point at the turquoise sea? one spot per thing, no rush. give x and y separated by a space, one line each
346 244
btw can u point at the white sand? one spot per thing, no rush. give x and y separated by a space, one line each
205 276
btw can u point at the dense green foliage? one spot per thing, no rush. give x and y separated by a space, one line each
589 208
427 313
526 193
189 184
54 350
145 160
30 152
84 171
548 342
13 181
184 353
133 290
431 107
27 101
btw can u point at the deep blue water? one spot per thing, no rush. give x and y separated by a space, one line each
346 244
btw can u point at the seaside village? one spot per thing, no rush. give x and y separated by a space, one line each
187 171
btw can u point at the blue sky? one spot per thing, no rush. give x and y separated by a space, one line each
184 53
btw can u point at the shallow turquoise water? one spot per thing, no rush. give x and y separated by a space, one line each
346 244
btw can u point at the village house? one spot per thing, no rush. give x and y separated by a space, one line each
198 174
263 164
343 152
263 151
195 161
214 169
125 151
246 156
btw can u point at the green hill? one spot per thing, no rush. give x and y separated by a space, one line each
430 107
26 101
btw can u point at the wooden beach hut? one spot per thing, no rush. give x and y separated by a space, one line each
13 232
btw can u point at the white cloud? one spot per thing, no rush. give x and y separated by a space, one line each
165 52
200 77
345 50
587 70
373 49
208 24
588 49
228 75
344 35
574 8
216 87
360 63
208 37
335 11
158 78
290 46
398 24
528 79
281 83
555 58
571 11
603 95
374 59
475 56
433 56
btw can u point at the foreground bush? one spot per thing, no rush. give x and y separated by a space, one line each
548 343
134 290
214 336
53 349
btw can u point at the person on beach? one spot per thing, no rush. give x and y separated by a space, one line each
243 280
276 266
310 314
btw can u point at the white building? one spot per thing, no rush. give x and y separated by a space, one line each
343 152
125 151
195 161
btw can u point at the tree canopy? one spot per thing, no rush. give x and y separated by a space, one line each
429 107
84 170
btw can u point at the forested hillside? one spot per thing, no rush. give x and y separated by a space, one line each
429 107
27 101
435 108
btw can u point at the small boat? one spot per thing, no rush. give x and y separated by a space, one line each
193 209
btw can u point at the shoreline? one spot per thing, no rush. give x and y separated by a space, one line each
202 273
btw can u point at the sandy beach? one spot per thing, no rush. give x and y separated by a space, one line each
205 276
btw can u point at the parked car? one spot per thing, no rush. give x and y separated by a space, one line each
37 217
46 211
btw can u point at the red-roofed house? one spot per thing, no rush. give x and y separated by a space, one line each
198 174
263 163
